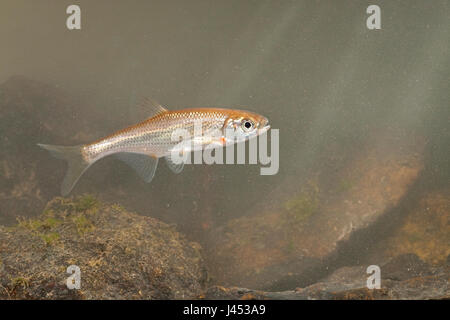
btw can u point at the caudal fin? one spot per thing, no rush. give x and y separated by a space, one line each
76 164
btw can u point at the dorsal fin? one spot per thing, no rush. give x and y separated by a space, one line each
152 107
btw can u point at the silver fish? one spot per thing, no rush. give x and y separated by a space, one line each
142 144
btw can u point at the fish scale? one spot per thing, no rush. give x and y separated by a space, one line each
154 136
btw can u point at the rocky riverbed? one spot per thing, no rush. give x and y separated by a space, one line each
122 255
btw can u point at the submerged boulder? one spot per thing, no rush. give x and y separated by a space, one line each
425 231
276 250
32 112
121 255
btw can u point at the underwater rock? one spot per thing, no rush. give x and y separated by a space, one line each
425 231
276 250
121 255
403 277
32 112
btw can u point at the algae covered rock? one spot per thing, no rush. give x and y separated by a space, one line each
425 231
121 255
276 249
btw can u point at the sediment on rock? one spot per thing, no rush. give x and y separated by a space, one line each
121 255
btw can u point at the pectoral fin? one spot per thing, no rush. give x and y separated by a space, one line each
144 165
175 167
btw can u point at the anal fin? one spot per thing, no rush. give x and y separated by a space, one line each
144 165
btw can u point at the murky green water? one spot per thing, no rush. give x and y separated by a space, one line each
363 117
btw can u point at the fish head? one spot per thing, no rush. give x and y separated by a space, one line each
245 124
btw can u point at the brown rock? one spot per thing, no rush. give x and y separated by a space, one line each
257 251
121 255
425 231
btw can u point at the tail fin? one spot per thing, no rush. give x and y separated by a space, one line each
76 164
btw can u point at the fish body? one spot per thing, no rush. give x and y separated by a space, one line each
142 144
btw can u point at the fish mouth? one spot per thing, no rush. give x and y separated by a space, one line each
263 129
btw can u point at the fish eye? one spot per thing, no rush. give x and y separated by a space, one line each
247 125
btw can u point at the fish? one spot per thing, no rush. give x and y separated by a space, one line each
143 144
